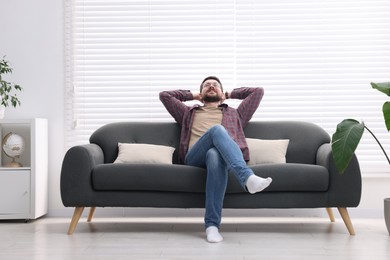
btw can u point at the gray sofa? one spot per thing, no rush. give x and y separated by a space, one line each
309 179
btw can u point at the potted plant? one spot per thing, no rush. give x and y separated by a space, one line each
7 89
347 137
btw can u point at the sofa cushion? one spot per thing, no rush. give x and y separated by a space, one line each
288 177
144 153
149 177
267 151
183 178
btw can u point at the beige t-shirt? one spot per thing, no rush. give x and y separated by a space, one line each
204 118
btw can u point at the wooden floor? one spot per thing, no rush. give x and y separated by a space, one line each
183 238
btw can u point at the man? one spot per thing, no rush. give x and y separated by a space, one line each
212 137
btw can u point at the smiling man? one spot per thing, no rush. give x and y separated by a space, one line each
212 137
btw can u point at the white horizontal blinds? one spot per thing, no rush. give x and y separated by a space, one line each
315 60
123 53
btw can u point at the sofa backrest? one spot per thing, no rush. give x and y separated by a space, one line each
305 138
161 133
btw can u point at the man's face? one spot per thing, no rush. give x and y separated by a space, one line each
211 91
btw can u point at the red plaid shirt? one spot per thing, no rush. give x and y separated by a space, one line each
234 120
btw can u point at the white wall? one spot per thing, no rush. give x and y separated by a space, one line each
32 38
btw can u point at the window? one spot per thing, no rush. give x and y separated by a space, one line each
315 60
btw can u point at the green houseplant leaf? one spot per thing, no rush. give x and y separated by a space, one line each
7 89
386 114
345 141
349 132
383 87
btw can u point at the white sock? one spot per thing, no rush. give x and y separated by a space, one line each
213 235
256 184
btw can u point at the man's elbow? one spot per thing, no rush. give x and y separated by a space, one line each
259 91
163 95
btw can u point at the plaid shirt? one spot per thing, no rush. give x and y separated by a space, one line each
234 120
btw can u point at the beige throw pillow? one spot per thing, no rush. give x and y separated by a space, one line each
144 153
267 151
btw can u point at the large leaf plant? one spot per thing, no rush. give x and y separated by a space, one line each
349 132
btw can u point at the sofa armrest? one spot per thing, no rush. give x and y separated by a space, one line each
344 189
76 180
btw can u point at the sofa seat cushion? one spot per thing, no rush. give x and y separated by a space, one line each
294 176
149 177
183 178
287 177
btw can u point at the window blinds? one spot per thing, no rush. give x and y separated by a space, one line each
315 60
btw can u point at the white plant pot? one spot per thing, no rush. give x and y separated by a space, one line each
387 213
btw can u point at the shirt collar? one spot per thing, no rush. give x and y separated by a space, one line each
196 106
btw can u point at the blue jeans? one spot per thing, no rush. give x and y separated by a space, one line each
218 153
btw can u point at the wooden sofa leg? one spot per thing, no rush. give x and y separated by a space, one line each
347 220
78 211
330 214
90 215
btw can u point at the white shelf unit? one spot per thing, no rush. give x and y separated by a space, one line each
24 190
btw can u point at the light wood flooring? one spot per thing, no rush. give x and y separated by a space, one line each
183 238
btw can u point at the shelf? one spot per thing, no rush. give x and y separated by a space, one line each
23 129
14 168
24 190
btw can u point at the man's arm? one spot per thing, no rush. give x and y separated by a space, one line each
173 102
251 98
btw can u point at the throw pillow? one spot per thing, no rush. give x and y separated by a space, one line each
144 153
267 151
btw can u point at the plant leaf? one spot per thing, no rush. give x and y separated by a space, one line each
386 114
345 141
382 87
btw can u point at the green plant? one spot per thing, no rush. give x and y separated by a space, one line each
349 132
8 97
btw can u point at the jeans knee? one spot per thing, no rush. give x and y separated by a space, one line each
214 159
218 130
212 155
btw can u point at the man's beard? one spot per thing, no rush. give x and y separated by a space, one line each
208 98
